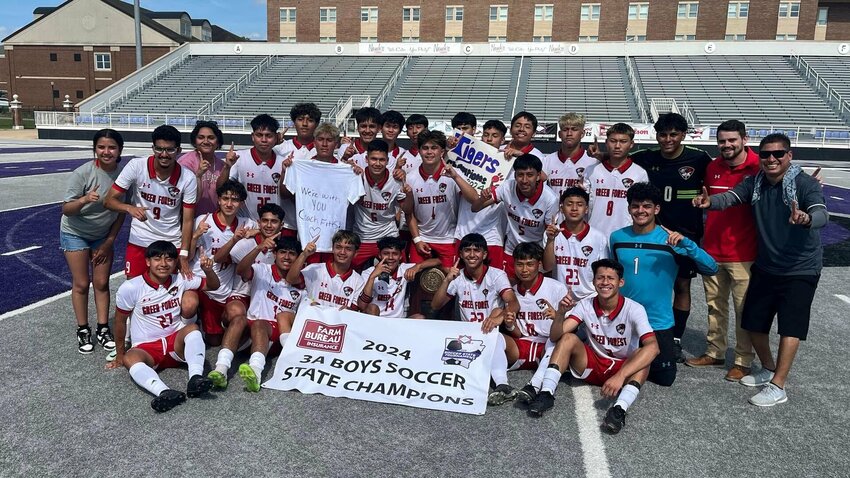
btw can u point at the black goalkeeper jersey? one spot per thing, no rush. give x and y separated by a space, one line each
680 180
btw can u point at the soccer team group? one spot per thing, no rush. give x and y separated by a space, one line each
581 260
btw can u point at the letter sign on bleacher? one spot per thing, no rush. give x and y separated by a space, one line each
844 48
710 47
237 48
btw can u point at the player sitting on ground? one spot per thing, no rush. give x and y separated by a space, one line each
273 305
386 283
565 167
620 347
333 283
160 338
485 296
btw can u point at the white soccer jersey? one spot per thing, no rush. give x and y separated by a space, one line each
331 289
389 296
615 336
260 178
154 308
478 298
527 217
412 161
607 186
217 236
271 294
299 151
374 215
238 252
564 172
531 318
165 200
392 158
435 203
574 253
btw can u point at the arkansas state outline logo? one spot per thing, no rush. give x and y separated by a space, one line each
320 336
462 350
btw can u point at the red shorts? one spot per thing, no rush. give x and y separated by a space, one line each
447 253
599 369
246 301
275 334
162 352
210 314
508 266
366 253
495 254
530 353
134 261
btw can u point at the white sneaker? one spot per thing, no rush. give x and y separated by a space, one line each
769 396
758 378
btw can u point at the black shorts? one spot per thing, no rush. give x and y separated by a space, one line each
789 298
662 370
687 267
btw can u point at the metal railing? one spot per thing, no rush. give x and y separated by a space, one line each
819 83
343 107
636 90
659 106
379 102
237 86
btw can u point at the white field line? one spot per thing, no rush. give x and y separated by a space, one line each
35 305
595 460
26 249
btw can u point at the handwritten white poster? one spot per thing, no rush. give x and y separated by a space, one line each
322 192
431 364
481 164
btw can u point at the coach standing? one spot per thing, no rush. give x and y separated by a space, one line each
789 208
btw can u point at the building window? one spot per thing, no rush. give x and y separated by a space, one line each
638 11
102 61
79 94
590 11
287 39
56 94
685 37
498 13
206 34
541 38
454 14
186 27
634 38
823 12
454 39
368 39
53 57
588 39
543 12
410 39
369 14
410 14
327 39
327 15
497 39
786 37
287 15
789 9
739 37
738 10
688 10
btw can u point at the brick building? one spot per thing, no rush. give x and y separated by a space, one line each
82 46
348 21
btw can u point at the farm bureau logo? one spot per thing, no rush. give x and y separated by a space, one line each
462 350
320 336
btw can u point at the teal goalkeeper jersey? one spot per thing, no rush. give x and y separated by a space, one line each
650 269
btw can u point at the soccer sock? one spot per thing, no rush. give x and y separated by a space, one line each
147 378
283 338
550 378
257 363
680 317
499 365
193 350
628 395
224 361
537 379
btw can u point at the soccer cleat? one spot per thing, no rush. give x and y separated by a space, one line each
198 385
219 379
501 394
758 378
677 351
252 382
526 394
769 396
614 420
167 400
544 401
105 338
84 344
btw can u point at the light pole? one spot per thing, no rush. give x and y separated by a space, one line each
52 96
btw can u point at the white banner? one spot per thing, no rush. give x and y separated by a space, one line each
432 364
481 164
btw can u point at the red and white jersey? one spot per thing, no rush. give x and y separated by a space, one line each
374 215
260 178
238 252
528 149
564 172
271 294
607 186
412 162
435 203
389 296
490 222
615 336
574 253
392 158
531 318
299 151
527 217
476 299
154 309
217 236
164 198
331 289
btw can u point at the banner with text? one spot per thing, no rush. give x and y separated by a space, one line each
481 164
431 364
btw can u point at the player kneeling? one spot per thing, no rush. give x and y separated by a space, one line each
386 283
620 348
160 338
273 305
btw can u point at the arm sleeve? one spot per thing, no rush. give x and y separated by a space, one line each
76 185
234 171
125 298
452 288
125 180
502 283
355 187
740 194
190 192
641 321
705 263
813 202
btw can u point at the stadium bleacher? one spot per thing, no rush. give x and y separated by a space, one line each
835 70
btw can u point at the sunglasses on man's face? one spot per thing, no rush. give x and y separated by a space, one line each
779 153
